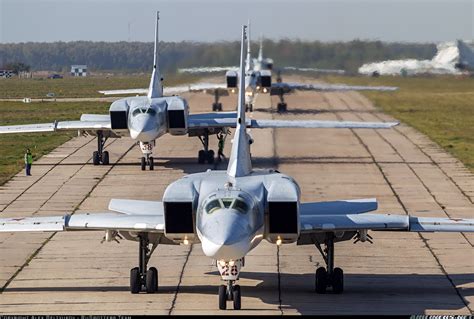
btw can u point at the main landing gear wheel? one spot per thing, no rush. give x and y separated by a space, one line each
216 107
151 280
329 276
205 155
281 108
140 277
100 156
149 162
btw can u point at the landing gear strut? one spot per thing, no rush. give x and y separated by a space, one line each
281 106
249 107
140 277
329 276
100 156
216 106
230 292
147 149
205 154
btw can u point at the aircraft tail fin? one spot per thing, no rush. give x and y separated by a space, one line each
239 162
260 51
248 62
156 87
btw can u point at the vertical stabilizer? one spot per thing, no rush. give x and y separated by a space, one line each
248 65
239 162
156 87
260 51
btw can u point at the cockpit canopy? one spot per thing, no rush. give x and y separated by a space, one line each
237 203
143 110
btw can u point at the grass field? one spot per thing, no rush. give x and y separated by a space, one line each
78 86
13 146
440 107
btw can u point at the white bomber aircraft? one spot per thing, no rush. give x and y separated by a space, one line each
258 79
146 118
230 212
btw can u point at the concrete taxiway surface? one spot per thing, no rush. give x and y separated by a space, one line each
401 273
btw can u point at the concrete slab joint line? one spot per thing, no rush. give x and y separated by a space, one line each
35 253
406 211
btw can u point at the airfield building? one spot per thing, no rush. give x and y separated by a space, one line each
79 70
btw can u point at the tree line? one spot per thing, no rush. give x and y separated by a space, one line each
138 56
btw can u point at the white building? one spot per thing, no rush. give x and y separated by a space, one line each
79 70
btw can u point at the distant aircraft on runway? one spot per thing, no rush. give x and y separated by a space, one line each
230 212
258 79
146 118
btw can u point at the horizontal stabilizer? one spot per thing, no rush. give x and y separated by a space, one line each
136 207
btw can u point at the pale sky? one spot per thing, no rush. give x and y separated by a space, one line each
211 20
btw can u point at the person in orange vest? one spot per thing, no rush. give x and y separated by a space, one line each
28 161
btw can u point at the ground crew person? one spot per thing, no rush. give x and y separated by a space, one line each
28 161
220 145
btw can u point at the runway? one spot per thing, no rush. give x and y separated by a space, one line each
401 273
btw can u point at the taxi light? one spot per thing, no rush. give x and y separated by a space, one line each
265 90
278 242
231 263
186 241
222 263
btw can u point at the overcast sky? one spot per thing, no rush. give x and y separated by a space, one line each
211 20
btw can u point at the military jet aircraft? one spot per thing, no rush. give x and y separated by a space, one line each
146 118
230 212
258 79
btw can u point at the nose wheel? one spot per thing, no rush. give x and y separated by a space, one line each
142 278
329 276
100 156
147 161
232 293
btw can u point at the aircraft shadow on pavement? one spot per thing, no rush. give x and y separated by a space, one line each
363 293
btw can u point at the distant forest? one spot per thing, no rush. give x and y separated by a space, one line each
138 56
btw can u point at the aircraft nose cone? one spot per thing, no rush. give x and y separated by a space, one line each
226 235
143 128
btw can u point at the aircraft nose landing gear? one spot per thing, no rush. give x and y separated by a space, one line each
147 150
231 292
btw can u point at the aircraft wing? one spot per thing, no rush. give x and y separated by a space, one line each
278 87
330 71
56 126
353 206
353 222
125 91
174 90
209 69
221 120
99 221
